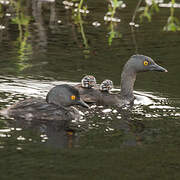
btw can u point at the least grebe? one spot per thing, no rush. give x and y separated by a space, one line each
106 86
88 81
57 106
64 95
88 89
101 95
136 63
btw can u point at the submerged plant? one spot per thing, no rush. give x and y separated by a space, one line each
22 20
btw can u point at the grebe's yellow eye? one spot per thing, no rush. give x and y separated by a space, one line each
146 63
73 97
70 133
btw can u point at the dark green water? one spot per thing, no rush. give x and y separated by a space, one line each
38 52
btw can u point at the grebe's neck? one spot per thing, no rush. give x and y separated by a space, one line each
128 78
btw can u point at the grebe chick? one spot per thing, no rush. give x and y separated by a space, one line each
88 89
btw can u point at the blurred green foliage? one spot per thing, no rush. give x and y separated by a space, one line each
77 17
173 23
149 10
112 8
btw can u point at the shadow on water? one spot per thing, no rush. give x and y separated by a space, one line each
44 43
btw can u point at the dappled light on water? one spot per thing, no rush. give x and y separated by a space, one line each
147 106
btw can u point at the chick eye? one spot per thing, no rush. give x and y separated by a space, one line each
73 97
146 63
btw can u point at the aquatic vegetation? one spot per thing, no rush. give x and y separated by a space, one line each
96 24
19 12
112 20
79 11
113 33
22 20
78 20
173 23
150 8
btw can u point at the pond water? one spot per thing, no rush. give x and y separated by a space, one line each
45 43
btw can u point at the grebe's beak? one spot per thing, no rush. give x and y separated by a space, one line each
82 103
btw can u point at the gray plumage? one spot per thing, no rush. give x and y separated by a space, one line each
136 64
58 106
